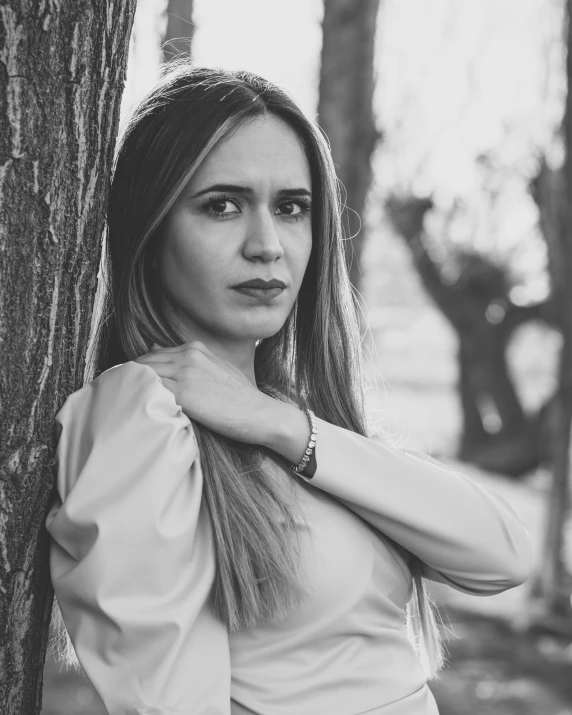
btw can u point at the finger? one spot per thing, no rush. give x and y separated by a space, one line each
171 349
163 369
193 344
169 384
154 357
159 353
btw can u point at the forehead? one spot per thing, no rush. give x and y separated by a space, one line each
263 150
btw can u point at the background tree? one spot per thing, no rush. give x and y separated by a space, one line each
345 106
61 79
551 586
477 304
180 28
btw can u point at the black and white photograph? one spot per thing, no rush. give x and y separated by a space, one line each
285 357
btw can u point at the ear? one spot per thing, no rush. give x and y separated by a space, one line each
155 347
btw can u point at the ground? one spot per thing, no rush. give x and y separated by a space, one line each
496 671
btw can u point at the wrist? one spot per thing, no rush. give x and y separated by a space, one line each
287 431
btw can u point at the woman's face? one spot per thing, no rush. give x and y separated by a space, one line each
244 214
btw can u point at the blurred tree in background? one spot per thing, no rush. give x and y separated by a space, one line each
61 81
475 298
552 586
345 110
179 33
474 293
478 290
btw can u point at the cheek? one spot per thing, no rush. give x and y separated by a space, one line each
189 285
186 266
301 256
179 264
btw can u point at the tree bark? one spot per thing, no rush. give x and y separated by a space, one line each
553 191
61 77
345 107
180 28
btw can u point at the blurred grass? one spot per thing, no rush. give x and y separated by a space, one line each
497 671
68 693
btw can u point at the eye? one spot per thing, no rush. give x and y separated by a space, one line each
295 209
290 208
222 206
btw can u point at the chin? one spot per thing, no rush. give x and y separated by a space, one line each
261 331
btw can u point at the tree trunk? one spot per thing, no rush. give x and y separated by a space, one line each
556 220
548 584
514 448
61 79
180 28
473 431
345 107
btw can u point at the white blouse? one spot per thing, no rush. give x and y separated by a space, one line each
132 564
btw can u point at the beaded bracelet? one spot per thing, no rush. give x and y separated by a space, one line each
311 443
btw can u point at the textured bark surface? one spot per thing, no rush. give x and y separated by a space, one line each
180 28
62 66
345 106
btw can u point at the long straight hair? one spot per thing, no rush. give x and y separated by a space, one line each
314 360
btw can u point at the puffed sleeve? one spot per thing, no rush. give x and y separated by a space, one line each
466 535
132 560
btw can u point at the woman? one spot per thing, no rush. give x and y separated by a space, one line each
230 538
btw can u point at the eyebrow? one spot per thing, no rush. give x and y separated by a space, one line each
239 189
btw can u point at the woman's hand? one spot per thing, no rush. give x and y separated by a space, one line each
212 391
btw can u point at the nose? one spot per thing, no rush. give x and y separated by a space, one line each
262 240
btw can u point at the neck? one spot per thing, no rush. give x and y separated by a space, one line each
239 353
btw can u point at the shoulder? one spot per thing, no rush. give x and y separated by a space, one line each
124 423
127 375
122 397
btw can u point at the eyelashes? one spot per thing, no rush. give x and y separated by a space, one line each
303 203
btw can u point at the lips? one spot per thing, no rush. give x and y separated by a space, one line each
261 284
259 293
